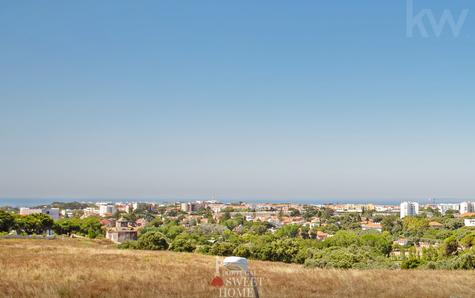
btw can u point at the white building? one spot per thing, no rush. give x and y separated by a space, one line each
469 222
409 209
192 206
380 208
28 211
467 207
184 207
67 213
106 210
443 208
53 212
90 211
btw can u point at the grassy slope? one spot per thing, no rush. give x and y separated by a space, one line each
72 267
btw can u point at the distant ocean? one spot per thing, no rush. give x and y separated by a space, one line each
41 201
19 202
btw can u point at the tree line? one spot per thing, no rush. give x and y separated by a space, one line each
39 223
349 247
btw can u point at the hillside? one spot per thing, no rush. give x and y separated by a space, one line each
86 268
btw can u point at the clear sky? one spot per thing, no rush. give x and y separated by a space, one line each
240 99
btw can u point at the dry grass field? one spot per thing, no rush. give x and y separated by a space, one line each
83 268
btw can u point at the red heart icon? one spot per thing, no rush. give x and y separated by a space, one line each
217 282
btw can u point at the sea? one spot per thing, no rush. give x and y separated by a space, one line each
29 202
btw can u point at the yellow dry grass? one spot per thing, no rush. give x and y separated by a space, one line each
83 268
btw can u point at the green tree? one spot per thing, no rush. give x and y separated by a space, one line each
183 243
67 226
258 227
7 221
222 249
243 250
468 240
152 240
411 263
226 215
343 239
415 226
294 212
450 246
430 254
353 256
326 213
280 250
392 224
291 231
37 223
304 232
91 227
171 230
309 212
453 223
382 242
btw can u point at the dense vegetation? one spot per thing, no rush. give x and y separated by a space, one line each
40 223
89 226
448 247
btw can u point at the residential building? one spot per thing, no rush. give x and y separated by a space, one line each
106 209
467 207
191 206
443 208
122 232
315 222
372 226
53 212
29 211
409 209
184 207
67 213
469 222
90 211
124 207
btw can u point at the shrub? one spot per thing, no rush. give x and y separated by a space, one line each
90 226
203 249
243 250
222 249
37 223
450 246
181 244
7 221
343 239
344 257
411 263
152 241
132 244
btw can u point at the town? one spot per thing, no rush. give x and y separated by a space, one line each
406 232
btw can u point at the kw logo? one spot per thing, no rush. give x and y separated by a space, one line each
420 19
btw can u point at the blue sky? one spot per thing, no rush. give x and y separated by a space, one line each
240 99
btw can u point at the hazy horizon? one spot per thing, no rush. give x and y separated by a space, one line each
234 99
28 202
